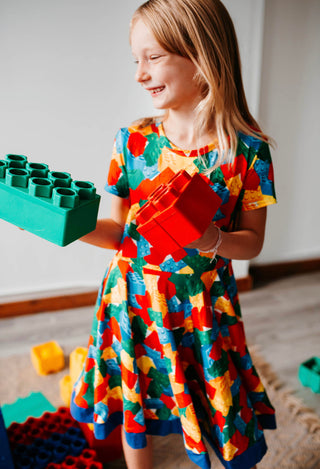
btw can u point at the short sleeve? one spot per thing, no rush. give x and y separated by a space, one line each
117 181
258 189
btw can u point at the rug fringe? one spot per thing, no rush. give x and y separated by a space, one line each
304 414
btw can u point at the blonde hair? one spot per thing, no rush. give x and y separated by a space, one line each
203 31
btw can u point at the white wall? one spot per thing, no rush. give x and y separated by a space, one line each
248 18
66 86
289 109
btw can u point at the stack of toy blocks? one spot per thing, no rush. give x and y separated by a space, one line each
53 441
178 213
47 203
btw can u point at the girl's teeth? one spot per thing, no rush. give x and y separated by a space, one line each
157 90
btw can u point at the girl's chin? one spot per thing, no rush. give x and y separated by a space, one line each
158 105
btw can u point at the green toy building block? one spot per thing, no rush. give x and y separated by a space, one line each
33 405
309 374
46 203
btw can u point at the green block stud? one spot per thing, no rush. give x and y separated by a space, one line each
17 177
40 187
66 198
3 166
16 161
37 169
60 179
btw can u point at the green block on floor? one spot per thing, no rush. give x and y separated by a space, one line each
49 204
19 411
309 374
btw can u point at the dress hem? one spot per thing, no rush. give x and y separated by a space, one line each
247 460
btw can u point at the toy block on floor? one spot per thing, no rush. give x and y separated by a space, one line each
309 374
49 204
178 212
65 386
52 441
33 405
47 358
6 461
107 450
77 358
76 361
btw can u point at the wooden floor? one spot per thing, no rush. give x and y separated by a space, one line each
282 318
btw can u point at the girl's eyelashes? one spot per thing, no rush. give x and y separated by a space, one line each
149 59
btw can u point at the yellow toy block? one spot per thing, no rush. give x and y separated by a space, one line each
66 389
77 358
47 358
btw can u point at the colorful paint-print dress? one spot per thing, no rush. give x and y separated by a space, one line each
167 351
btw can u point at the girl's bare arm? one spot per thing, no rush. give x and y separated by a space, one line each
245 243
108 232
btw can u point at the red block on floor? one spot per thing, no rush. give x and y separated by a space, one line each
107 450
178 212
53 441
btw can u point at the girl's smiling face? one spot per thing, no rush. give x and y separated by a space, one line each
168 77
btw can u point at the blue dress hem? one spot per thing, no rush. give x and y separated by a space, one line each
246 460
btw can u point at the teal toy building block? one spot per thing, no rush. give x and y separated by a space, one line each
33 405
309 374
49 204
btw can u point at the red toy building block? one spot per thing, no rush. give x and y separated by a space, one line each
53 441
107 450
178 213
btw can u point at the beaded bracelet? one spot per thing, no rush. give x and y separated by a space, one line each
215 248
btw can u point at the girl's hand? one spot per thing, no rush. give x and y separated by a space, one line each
243 244
108 232
207 241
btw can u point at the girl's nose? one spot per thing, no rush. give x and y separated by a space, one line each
142 74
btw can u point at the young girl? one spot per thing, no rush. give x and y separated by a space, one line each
167 352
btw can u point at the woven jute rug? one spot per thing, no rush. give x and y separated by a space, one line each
294 445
